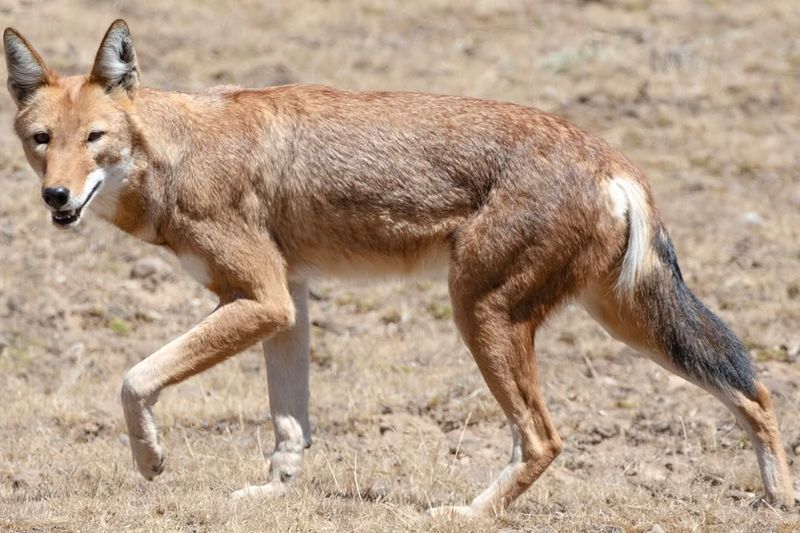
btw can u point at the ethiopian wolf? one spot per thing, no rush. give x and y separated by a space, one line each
257 190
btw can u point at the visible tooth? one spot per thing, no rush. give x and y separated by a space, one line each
62 215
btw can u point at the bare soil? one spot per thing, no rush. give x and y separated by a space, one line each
705 96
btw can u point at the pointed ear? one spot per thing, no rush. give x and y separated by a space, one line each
27 72
115 63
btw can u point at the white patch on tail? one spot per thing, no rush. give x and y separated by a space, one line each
629 202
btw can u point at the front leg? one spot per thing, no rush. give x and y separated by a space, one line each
260 309
287 357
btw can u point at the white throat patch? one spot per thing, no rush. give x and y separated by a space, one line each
114 178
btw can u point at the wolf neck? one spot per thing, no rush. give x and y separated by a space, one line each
166 123
162 124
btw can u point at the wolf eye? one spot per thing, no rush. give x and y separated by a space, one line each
94 135
41 138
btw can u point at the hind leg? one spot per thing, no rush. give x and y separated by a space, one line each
753 412
757 418
505 356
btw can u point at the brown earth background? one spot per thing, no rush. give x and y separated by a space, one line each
704 95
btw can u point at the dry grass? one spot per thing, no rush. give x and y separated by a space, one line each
702 94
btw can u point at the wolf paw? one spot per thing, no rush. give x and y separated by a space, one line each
149 459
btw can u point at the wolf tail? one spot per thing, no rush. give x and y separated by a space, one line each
678 325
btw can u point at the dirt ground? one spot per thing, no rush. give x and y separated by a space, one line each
704 95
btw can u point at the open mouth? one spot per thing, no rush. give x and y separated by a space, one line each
70 217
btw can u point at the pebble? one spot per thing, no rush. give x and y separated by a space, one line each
753 218
150 266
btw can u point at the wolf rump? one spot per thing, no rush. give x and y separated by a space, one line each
256 191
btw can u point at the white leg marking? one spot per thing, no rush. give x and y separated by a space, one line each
767 464
769 471
138 398
114 178
482 504
287 357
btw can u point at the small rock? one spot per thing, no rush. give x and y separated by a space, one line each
76 350
657 529
793 291
13 304
753 218
392 316
147 267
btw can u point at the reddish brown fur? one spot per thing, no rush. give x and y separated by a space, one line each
264 187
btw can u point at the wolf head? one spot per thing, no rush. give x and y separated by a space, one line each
76 131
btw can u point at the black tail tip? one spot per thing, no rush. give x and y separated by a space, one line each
696 339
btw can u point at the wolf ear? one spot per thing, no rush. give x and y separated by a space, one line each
115 62
26 70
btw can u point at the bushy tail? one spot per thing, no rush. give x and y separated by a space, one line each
651 308
695 339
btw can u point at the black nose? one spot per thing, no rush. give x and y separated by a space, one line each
56 196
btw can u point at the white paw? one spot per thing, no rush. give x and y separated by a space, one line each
270 490
451 511
148 457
